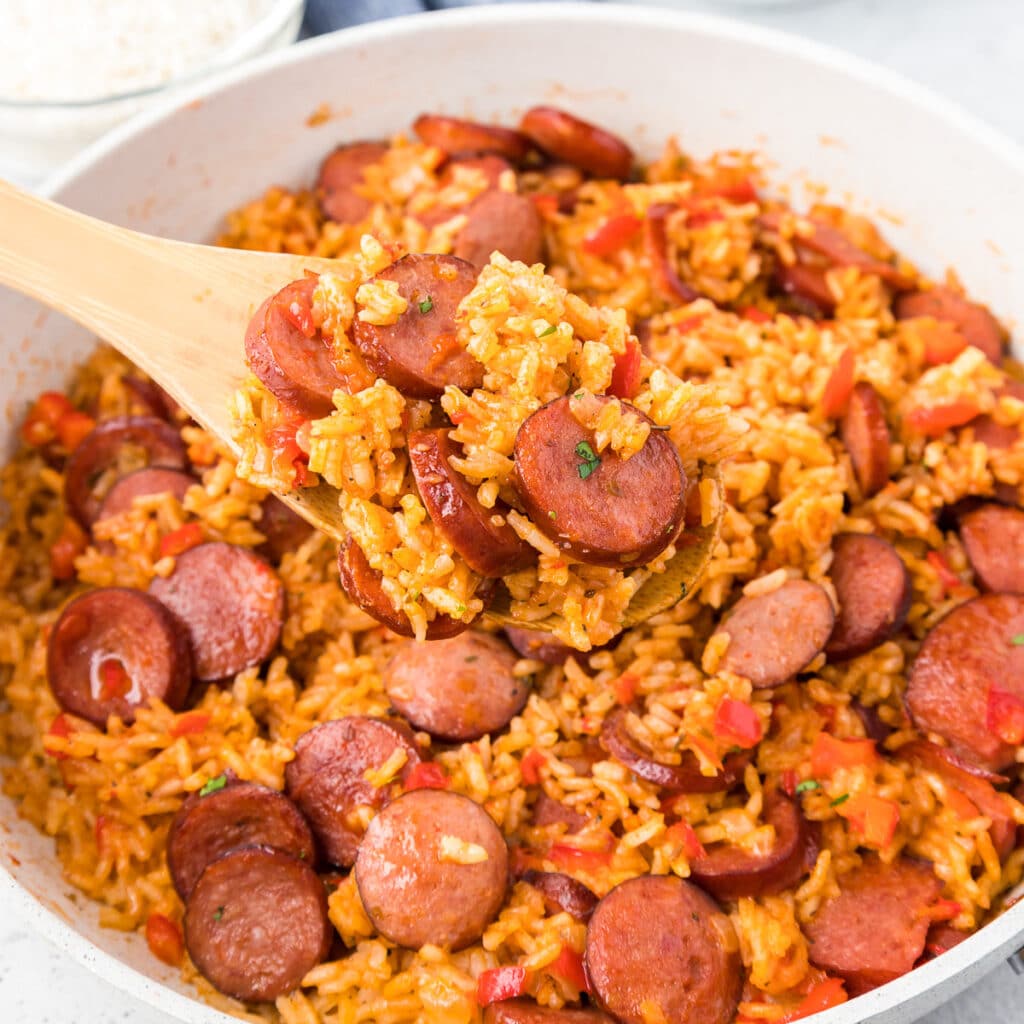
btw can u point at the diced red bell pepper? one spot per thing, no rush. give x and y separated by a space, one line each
164 939
66 548
72 428
962 806
737 722
625 688
460 417
944 910
874 817
1004 716
625 381
575 857
701 217
829 754
530 766
300 315
546 203
612 235
823 996
682 833
949 579
192 723
114 679
499 983
40 426
732 190
935 420
569 965
758 316
287 455
427 775
60 727
178 541
839 386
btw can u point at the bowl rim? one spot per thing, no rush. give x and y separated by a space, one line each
970 958
252 38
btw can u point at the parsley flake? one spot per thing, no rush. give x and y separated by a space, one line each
579 395
840 800
218 913
427 305
590 460
214 785
1018 640
552 513
550 329
807 784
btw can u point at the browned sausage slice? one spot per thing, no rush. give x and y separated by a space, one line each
660 949
432 867
327 778
531 643
578 142
340 174
504 222
240 814
729 872
113 650
420 353
603 509
283 529
549 811
974 783
143 483
489 548
993 537
866 436
562 893
684 777
970 652
525 1011
362 584
873 588
256 923
458 689
875 929
231 602
112 447
943 937
774 636
295 367
975 322
456 136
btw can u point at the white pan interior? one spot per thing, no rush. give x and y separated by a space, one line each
947 190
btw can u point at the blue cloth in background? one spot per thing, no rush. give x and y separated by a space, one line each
328 15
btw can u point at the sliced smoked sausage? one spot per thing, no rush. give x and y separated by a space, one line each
875 929
658 948
456 136
283 529
362 583
420 353
774 636
256 923
730 872
866 436
341 174
603 509
525 1011
240 814
993 537
562 893
578 142
685 777
143 483
532 643
458 689
975 322
296 367
873 588
117 446
481 535
432 867
964 664
230 601
500 221
327 778
113 650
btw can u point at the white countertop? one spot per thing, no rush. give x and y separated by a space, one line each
969 50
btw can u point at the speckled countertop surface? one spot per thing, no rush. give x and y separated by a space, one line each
968 50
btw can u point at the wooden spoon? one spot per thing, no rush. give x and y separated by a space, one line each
179 312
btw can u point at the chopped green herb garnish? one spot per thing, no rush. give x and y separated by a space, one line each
550 329
807 784
214 785
579 395
552 513
302 854
590 460
218 913
427 305
840 800
1018 640
460 609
